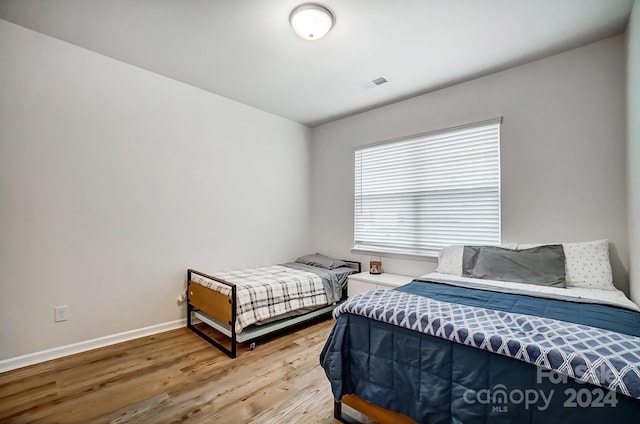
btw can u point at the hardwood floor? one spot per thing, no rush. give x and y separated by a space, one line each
176 377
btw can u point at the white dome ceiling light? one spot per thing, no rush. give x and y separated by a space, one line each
311 21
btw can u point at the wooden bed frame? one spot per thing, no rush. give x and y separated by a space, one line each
219 312
371 410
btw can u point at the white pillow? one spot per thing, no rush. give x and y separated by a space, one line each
450 258
587 264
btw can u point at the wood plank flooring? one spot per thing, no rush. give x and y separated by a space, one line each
176 377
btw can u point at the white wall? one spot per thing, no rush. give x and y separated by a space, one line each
562 152
633 147
114 180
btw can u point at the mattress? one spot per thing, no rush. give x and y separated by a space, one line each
569 294
274 292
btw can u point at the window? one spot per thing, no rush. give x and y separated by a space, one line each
415 195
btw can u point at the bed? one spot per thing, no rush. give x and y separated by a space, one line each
450 348
245 305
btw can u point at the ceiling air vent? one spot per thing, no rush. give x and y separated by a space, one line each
380 81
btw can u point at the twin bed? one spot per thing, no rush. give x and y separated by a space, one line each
556 342
248 304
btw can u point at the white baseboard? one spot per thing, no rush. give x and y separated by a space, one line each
59 352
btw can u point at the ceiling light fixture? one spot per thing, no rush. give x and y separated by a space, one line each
311 21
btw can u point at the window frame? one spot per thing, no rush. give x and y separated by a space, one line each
364 249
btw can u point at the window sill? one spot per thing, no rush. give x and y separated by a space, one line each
408 256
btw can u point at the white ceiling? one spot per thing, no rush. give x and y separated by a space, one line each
245 49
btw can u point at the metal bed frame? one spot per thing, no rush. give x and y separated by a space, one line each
219 312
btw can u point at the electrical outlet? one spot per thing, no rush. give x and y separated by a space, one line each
61 313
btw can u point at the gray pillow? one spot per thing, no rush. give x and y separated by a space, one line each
543 265
321 261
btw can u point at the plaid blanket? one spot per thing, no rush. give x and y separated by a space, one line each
268 292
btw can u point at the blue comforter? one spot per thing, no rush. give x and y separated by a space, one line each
437 378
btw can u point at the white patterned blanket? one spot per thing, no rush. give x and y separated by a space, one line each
268 292
604 358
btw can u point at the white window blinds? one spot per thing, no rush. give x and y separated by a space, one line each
418 194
